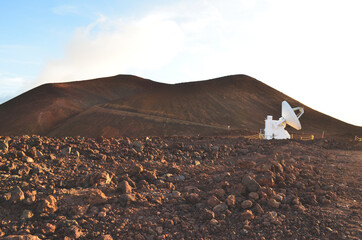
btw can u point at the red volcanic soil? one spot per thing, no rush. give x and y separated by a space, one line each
126 105
179 188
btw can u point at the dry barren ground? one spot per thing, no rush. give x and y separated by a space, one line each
179 188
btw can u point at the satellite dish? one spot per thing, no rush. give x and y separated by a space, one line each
274 129
289 115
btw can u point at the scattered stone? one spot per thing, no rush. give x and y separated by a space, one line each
213 201
197 163
207 214
126 199
150 176
28 159
230 200
138 145
48 228
214 222
215 148
38 154
74 232
247 215
124 187
27 214
7 196
278 197
174 169
159 230
246 204
73 196
266 180
250 183
4 146
21 237
96 178
169 223
105 237
176 194
180 178
30 200
254 195
66 151
102 214
136 169
220 208
220 193
271 217
49 205
17 195
95 196
258 209
193 198
273 203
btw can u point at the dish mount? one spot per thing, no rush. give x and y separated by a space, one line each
274 129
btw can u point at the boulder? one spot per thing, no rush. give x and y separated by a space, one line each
250 184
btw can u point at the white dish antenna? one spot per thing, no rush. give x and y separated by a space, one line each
274 129
289 115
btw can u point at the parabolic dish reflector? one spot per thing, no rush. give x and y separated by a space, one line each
289 115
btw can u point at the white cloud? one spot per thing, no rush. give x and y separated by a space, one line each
109 47
308 49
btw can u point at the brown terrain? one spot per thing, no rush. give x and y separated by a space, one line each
179 188
126 105
128 158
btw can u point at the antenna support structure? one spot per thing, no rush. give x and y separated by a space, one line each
275 129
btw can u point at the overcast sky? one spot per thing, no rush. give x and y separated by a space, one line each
311 50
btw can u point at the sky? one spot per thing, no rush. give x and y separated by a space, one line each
310 50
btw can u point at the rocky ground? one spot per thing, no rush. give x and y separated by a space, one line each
179 188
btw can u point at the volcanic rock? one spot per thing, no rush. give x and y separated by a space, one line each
230 200
254 195
213 201
27 214
266 180
207 214
136 169
126 199
273 203
49 205
48 228
247 215
105 237
66 151
220 208
28 159
101 178
246 204
124 187
4 146
193 198
250 183
17 195
21 237
220 193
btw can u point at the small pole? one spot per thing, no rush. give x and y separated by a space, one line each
323 134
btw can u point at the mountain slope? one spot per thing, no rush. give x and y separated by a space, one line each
41 109
131 106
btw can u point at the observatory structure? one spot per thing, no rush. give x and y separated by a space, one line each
274 129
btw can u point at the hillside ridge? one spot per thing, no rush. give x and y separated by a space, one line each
104 106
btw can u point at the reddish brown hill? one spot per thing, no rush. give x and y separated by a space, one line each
127 105
41 109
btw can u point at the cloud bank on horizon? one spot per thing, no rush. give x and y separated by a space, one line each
309 50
